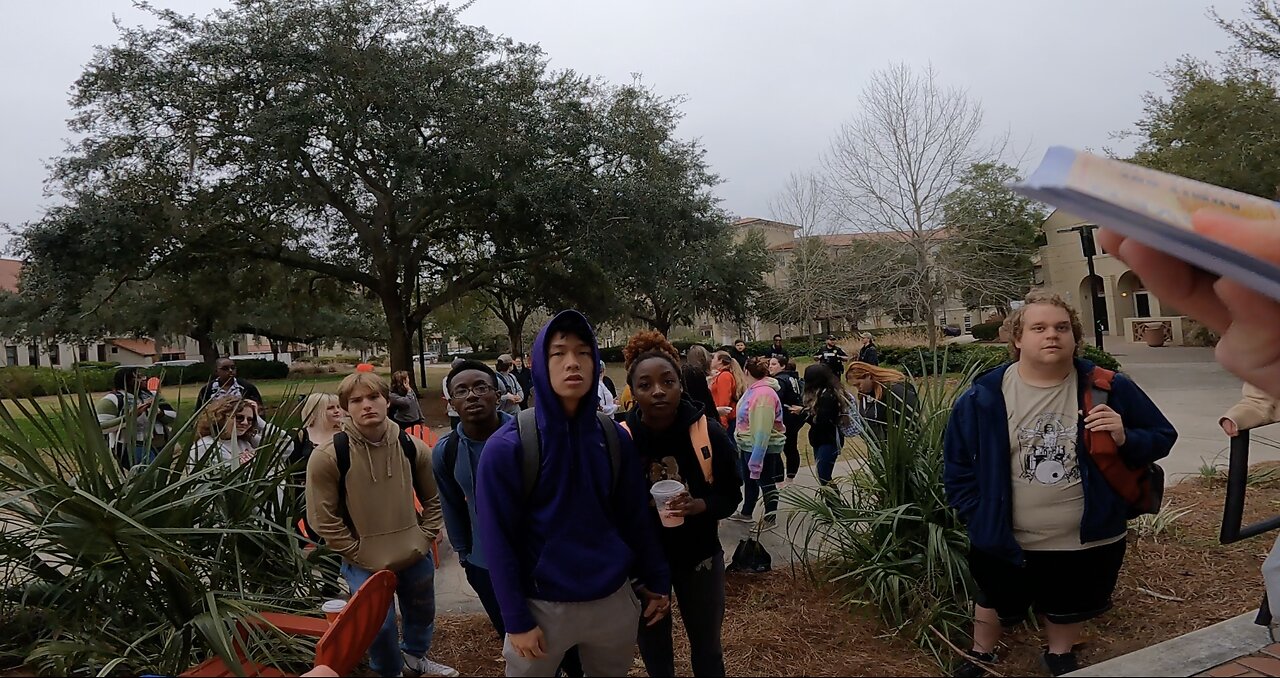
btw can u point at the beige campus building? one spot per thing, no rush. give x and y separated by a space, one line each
781 241
1113 298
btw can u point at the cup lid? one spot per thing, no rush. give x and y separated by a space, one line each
333 605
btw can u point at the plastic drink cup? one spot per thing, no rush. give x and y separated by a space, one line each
663 492
333 608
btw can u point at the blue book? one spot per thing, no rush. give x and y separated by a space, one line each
1153 208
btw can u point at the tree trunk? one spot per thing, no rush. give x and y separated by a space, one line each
400 344
203 334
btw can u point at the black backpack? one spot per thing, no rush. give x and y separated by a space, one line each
531 450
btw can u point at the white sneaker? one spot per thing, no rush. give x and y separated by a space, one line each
740 517
421 666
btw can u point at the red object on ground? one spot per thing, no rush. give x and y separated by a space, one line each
342 644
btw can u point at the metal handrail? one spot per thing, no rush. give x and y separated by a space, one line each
1233 507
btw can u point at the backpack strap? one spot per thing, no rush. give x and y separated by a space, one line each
342 450
410 450
701 440
451 453
531 451
1099 381
614 446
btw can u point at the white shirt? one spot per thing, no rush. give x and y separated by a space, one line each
607 405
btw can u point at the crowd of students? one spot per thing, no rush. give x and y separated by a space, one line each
548 494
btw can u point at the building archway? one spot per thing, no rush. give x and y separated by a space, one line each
1093 305
1134 301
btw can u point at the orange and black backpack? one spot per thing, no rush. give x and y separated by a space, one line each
1141 488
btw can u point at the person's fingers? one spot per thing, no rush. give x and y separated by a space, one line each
1177 284
1259 238
1250 348
1109 241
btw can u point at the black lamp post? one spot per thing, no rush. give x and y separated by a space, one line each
422 341
1087 247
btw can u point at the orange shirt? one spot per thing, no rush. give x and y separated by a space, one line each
722 392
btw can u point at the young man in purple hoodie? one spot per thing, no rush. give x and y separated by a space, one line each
573 560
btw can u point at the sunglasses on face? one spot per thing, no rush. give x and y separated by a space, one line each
244 418
480 390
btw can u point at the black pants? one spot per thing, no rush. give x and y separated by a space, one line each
792 449
478 578
767 484
699 594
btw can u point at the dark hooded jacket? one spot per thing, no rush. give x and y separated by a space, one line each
577 538
669 455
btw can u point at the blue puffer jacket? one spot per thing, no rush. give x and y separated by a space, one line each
977 471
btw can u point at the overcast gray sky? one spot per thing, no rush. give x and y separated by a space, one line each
767 82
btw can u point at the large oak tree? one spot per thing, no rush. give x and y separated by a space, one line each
382 144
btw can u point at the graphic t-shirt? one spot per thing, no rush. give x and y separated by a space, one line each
1048 497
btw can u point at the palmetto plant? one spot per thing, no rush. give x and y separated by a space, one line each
885 534
146 570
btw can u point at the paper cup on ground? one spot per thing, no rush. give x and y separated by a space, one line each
332 608
663 492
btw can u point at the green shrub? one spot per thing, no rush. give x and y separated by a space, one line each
920 361
95 365
249 370
1099 357
885 535
34 382
146 572
986 331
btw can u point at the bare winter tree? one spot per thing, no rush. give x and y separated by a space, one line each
888 172
812 286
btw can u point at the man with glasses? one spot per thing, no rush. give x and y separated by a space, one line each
224 383
472 391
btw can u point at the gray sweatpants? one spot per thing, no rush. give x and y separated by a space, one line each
604 631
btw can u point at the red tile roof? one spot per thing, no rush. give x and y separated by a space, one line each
143 347
757 220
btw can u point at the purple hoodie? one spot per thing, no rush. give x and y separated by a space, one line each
574 540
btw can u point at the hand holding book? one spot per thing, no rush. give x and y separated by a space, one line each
1210 252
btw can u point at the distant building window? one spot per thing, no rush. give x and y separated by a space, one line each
33 355
968 322
55 354
84 353
115 350
11 356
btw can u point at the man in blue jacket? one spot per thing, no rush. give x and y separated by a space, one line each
563 557
472 390
1046 530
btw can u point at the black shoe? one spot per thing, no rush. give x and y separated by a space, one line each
971 668
1059 664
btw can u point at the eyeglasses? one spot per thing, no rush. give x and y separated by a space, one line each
480 390
244 418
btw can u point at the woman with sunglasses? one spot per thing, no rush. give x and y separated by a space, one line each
232 429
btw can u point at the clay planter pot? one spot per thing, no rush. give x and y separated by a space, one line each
1154 335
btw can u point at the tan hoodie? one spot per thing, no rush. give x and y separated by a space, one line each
1255 409
388 534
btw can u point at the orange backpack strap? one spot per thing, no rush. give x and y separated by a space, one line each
701 444
701 440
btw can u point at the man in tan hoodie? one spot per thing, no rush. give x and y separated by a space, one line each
360 492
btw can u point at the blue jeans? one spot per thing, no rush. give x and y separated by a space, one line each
416 591
825 457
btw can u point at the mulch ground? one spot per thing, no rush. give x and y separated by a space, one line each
776 624
780 624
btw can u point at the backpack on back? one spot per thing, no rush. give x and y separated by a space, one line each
1141 488
531 450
